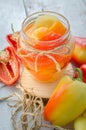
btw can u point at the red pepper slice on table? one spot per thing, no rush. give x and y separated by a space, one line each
12 39
9 66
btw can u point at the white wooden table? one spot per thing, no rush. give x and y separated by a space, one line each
13 12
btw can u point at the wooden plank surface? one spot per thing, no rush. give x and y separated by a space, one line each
12 11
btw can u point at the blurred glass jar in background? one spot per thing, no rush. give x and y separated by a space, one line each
47 59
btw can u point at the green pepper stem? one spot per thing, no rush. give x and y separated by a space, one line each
79 74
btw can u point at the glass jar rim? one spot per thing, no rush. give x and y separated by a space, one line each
63 37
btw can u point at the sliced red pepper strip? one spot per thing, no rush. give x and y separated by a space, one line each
10 69
12 39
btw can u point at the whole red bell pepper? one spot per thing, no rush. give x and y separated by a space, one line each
9 66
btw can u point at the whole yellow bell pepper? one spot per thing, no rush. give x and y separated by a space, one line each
67 102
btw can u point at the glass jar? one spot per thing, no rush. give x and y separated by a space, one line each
45 60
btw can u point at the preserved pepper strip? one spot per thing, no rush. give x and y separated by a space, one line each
9 66
67 102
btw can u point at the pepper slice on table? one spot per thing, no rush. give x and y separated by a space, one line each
12 39
67 102
9 66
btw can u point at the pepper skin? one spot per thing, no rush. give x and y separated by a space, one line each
67 102
80 123
9 66
83 68
79 54
12 40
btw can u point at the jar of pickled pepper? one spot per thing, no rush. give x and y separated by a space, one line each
45 45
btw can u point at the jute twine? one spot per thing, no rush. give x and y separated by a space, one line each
27 111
